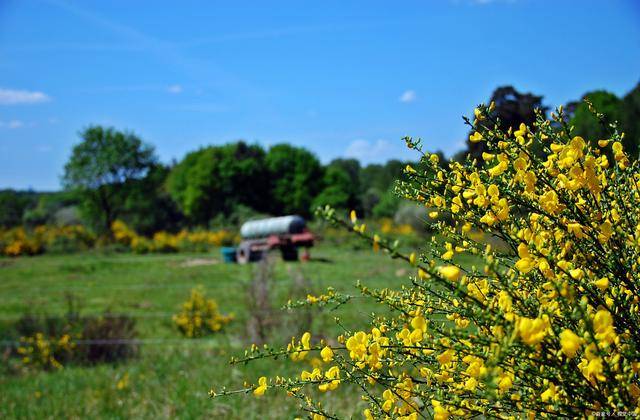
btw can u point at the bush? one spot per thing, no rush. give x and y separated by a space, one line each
52 342
200 316
550 327
20 241
108 339
195 241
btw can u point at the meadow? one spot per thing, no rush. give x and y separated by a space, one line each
172 375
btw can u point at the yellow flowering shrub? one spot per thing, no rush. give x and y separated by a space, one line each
20 241
200 316
547 326
169 242
389 228
44 352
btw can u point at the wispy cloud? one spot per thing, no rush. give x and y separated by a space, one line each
17 97
12 124
408 96
166 52
43 149
175 89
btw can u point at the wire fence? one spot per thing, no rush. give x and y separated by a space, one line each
128 341
97 315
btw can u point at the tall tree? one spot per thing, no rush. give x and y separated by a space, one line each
511 108
351 168
296 177
149 208
586 124
213 180
338 190
13 205
631 120
101 169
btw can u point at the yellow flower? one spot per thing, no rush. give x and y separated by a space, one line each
577 273
593 369
326 354
306 337
603 326
449 253
412 258
419 323
333 375
376 243
445 357
353 217
440 413
525 264
532 331
488 156
570 343
505 383
449 272
617 147
576 229
475 137
549 394
602 284
261 388
498 169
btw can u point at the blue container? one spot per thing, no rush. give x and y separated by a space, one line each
228 254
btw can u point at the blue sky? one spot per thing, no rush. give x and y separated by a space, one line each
340 78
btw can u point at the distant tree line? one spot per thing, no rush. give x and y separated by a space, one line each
513 107
115 175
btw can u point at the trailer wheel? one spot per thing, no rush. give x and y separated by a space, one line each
289 253
244 254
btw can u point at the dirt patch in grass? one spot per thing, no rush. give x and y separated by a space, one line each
196 262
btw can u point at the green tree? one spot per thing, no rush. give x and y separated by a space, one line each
13 205
512 108
376 182
380 177
48 208
101 170
351 168
586 124
296 178
215 179
149 208
388 205
338 191
631 120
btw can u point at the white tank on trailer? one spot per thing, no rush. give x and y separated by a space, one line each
272 226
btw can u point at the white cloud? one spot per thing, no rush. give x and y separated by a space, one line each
408 96
13 124
15 97
377 151
44 149
174 89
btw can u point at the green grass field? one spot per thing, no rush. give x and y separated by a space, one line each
171 376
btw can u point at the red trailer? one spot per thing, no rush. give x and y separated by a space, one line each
286 233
